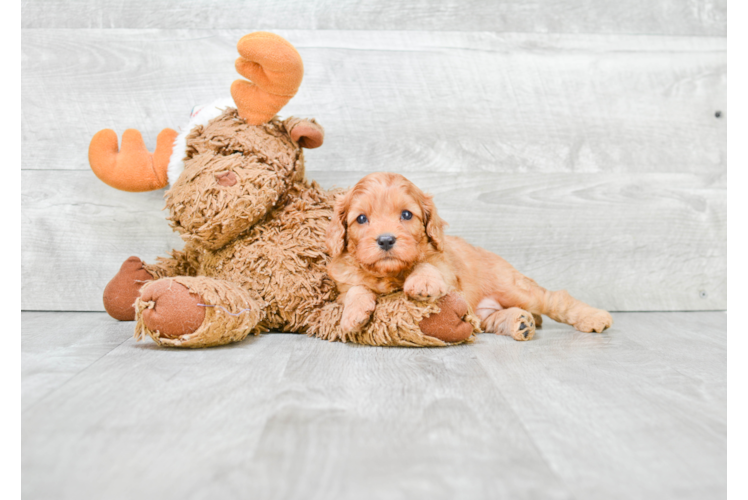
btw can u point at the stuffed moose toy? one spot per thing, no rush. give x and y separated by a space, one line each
254 257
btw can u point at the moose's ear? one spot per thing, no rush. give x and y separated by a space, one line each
307 133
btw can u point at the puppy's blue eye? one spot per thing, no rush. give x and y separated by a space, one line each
361 219
406 215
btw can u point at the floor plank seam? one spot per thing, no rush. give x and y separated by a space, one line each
527 432
72 377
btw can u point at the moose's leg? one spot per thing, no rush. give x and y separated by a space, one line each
180 263
121 292
450 324
124 288
400 321
196 311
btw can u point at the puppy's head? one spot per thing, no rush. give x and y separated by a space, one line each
386 223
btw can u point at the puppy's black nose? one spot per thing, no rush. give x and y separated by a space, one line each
386 241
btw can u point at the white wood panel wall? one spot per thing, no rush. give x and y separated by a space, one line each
592 161
648 17
737 192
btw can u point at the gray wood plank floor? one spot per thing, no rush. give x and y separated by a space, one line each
737 428
638 412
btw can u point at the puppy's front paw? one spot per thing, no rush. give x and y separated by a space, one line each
421 287
596 321
354 318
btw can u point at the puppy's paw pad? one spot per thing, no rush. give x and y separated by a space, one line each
424 288
597 321
522 327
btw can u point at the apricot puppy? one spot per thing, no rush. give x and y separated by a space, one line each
386 235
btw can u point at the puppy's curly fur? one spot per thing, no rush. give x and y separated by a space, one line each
386 235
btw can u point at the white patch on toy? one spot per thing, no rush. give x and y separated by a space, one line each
200 115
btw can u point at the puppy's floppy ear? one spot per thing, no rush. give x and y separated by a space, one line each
336 232
434 224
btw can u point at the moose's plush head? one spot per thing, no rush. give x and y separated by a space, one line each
234 174
230 166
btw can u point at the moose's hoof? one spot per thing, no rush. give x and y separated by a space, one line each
175 311
447 324
124 288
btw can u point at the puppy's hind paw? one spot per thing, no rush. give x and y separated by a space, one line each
521 326
513 322
597 321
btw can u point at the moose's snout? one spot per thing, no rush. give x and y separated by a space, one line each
386 241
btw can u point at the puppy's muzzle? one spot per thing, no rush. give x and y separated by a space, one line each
386 241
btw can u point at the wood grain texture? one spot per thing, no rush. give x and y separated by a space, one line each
620 242
613 417
637 412
737 428
75 234
737 183
661 17
57 347
591 163
737 242
402 101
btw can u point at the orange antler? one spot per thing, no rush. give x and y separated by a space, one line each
275 69
132 167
